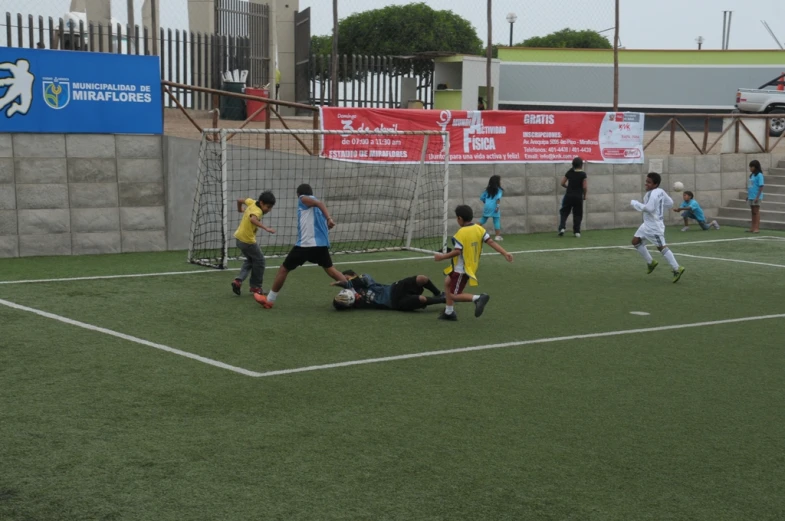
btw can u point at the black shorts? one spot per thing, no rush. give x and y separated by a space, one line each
404 288
314 254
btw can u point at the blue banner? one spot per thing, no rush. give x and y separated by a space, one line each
79 92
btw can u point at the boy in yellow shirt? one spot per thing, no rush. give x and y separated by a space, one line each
465 255
246 240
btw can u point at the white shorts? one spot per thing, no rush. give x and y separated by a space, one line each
651 234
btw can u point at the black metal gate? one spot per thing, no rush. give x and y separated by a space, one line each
302 53
237 19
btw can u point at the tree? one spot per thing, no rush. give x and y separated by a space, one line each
321 44
396 30
571 39
406 29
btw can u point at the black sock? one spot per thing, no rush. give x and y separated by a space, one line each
429 301
432 288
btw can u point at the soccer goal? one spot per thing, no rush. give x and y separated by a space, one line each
386 190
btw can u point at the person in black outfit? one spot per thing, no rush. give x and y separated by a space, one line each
577 187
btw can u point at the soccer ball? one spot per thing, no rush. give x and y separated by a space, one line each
344 299
678 186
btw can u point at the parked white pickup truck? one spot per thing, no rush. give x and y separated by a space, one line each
765 101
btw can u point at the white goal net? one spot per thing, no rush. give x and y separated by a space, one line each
377 205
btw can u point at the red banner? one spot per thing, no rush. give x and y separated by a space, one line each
485 136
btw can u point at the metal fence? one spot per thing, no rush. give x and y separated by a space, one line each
191 58
370 81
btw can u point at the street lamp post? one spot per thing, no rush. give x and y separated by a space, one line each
511 17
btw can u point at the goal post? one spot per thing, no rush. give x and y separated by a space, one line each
379 204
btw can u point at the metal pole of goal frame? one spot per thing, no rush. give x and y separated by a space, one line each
446 138
225 195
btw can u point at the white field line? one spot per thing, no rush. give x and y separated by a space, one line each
739 261
246 372
515 344
370 261
130 338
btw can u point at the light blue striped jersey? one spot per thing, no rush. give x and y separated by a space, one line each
311 225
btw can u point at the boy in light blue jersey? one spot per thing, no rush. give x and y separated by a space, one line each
313 244
690 209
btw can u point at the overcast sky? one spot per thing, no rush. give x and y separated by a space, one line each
645 24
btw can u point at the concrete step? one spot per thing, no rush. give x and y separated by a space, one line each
773 189
774 179
781 163
744 213
765 204
745 223
775 171
767 197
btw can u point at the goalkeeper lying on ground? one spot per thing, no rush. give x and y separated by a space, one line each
403 295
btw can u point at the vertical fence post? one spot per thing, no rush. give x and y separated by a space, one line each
737 123
705 134
673 134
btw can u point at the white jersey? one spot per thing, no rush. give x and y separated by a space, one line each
655 203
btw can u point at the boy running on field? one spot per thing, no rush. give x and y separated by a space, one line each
246 240
653 208
465 260
313 244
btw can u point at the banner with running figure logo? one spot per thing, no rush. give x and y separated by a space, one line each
47 91
486 136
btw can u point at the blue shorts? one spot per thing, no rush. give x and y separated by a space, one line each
497 221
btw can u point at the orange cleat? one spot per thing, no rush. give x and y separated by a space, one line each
262 300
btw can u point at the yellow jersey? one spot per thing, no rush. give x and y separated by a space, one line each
246 232
469 239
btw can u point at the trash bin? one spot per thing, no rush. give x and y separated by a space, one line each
231 107
253 105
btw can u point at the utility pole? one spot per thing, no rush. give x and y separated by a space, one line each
488 84
616 61
699 40
334 68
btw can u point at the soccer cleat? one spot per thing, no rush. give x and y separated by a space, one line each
577 235
677 274
262 300
686 228
479 304
452 317
236 284
561 232
715 224
498 238
653 265
257 290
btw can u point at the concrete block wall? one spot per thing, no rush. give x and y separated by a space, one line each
84 194
532 194
81 194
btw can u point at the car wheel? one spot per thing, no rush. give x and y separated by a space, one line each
777 125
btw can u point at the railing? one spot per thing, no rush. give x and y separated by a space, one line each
167 87
186 57
675 124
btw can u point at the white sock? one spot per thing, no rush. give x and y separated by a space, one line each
668 254
644 252
271 296
475 298
449 310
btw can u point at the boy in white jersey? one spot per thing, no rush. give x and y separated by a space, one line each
655 204
313 244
